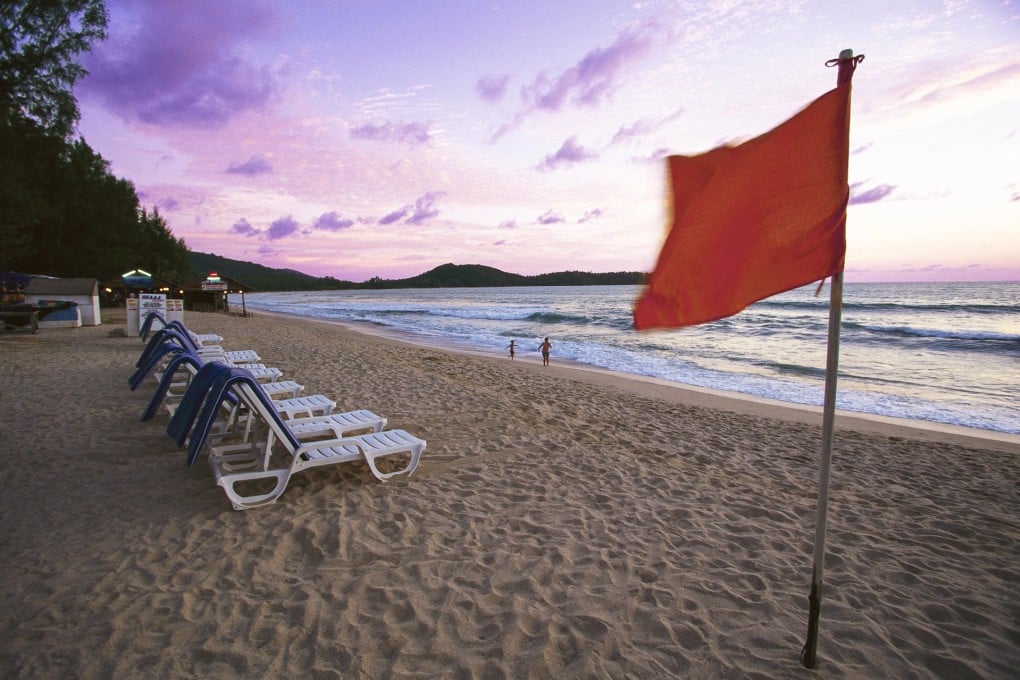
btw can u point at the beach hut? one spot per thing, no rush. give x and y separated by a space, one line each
137 281
84 293
212 294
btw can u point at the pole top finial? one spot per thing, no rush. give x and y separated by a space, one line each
846 62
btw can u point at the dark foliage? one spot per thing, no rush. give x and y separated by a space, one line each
62 213
39 43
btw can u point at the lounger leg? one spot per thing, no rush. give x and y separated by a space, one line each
247 502
408 469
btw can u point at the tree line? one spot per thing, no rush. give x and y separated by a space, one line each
62 212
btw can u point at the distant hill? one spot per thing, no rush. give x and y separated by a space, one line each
444 276
478 276
262 278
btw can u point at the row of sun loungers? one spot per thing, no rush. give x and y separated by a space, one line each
256 429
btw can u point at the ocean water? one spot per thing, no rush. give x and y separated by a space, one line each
940 352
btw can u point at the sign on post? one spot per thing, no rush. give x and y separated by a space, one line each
151 302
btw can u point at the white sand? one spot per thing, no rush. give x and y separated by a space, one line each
563 523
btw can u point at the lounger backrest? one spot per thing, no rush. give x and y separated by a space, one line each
251 393
164 336
242 383
150 346
180 328
188 410
183 359
152 361
150 318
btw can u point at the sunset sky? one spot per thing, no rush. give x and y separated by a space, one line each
360 138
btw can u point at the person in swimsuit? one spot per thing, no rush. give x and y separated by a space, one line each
546 346
511 348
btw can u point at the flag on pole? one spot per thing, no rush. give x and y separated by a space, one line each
753 220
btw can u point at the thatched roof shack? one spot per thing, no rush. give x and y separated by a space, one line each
137 281
212 294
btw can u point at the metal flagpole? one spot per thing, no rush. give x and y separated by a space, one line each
847 63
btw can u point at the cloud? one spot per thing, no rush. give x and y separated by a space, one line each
594 78
244 228
643 127
395 216
591 215
590 81
331 221
256 165
404 133
571 152
182 65
656 155
509 224
423 210
267 250
870 195
1004 76
550 217
492 88
282 228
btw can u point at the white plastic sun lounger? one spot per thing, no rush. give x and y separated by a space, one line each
233 468
333 426
184 365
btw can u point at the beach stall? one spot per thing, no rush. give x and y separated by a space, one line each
71 302
117 289
212 294
141 293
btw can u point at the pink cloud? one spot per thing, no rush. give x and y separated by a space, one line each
423 210
282 228
404 133
643 127
492 88
256 165
588 82
550 217
244 228
181 65
331 221
594 77
571 152
395 216
870 195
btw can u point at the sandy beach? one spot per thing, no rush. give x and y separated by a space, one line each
563 523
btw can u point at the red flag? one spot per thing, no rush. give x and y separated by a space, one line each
753 220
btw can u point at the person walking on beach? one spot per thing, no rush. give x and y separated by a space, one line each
511 348
546 346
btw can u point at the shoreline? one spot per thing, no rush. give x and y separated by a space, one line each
692 395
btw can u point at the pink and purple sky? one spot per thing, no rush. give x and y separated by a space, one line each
360 138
